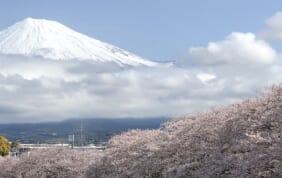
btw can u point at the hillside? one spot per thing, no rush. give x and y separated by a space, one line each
240 140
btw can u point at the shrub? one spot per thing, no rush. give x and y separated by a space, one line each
4 146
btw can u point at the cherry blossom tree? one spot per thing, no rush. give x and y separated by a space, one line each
240 140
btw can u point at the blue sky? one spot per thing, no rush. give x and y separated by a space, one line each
156 30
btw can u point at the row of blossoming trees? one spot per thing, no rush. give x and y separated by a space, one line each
241 140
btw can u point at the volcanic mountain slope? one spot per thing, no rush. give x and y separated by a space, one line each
50 39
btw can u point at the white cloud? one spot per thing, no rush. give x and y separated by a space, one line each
36 89
133 92
237 48
273 27
204 77
33 89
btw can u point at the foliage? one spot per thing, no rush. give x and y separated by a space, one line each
63 163
15 145
4 146
241 140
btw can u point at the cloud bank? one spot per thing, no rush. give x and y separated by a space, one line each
237 48
239 66
34 89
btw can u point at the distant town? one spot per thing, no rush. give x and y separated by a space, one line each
83 134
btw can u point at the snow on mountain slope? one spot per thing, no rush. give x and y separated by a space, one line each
50 39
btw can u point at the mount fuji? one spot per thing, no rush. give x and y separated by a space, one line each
52 40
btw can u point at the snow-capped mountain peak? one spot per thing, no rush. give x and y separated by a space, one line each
50 39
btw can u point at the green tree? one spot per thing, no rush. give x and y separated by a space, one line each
4 146
15 145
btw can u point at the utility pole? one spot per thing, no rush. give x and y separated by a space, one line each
81 134
71 140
